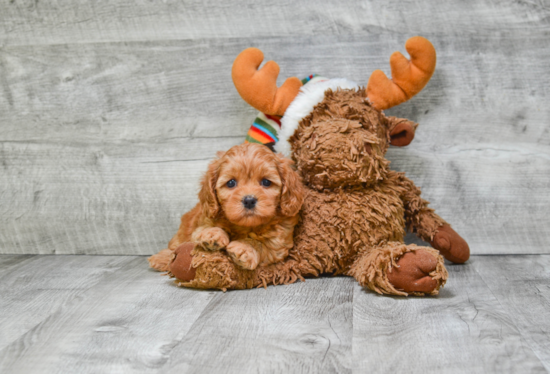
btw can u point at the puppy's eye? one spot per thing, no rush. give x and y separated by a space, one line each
266 182
232 183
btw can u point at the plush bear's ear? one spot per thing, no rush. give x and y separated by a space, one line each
401 131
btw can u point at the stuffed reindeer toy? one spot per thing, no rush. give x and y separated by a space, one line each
356 210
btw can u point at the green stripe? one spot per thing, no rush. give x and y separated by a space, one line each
306 79
260 121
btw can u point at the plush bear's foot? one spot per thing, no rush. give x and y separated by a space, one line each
195 267
412 272
181 263
161 260
451 245
399 269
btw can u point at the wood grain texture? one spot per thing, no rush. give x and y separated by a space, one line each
34 289
304 327
119 318
99 314
522 286
94 200
27 22
111 113
463 330
7 262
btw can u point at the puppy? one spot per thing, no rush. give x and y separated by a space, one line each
249 203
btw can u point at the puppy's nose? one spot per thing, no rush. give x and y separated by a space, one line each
249 202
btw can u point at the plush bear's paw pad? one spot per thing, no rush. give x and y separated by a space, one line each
451 245
181 263
413 273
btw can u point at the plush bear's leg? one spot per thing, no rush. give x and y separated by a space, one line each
399 269
196 268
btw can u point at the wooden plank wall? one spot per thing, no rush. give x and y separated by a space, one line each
110 112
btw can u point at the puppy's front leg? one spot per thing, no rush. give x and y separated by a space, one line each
243 254
211 238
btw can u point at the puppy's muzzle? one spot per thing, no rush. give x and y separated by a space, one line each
249 202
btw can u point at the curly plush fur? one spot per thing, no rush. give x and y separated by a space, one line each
355 213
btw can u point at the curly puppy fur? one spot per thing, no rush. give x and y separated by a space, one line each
249 204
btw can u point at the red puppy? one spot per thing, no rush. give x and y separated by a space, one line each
249 204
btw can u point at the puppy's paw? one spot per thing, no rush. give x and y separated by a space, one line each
213 239
161 260
243 255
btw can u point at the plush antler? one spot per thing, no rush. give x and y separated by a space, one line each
259 87
408 77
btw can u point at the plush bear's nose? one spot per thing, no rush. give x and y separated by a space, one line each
249 202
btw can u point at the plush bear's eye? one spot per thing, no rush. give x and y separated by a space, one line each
266 182
232 183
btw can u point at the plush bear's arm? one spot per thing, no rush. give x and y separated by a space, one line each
419 218
429 226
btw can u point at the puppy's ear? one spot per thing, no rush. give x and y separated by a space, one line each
207 194
293 190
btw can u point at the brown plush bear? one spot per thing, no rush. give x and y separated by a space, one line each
356 211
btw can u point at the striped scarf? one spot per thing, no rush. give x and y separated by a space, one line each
265 128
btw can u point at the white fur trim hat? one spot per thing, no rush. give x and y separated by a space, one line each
275 132
309 96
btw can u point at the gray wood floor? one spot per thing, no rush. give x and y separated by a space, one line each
110 314
110 112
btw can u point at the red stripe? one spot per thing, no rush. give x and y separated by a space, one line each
260 135
275 119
